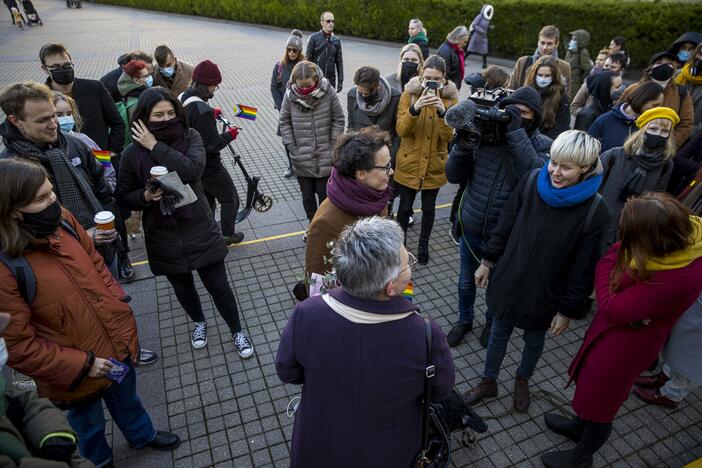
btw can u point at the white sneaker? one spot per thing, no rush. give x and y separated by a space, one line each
243 345
199 337
410 222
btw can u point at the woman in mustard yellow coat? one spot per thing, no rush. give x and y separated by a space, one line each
424 139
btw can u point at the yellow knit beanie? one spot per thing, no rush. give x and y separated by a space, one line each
658 113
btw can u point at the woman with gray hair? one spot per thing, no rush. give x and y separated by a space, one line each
360 353
453 52
543 251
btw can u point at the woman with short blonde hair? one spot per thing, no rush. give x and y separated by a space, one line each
543 251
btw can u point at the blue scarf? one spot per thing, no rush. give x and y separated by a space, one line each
569 196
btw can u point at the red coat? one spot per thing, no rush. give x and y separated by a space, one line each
614 352
77 315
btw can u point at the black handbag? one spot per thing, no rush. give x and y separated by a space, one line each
436 441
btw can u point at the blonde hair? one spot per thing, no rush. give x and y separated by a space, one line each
304 70
411 48
59 96
576 147
635 143
419 24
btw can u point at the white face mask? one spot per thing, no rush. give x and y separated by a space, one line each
542 82
663 84
3 353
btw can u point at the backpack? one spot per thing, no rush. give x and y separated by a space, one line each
22 270
123 107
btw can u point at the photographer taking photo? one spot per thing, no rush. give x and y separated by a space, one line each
494 148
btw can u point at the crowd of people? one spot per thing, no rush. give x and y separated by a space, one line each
575 193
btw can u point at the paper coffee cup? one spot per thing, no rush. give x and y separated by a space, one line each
158 171
105 220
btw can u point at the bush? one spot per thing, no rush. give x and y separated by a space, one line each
648 26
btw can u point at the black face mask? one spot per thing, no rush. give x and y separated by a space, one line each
527 124
409 69
63 76
43 223
371 98
654 142
662 72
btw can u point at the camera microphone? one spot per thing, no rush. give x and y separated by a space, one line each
461 115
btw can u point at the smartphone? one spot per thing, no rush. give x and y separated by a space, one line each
432 86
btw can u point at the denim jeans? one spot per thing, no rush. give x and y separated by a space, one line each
678 387
466 279
497 346
88 420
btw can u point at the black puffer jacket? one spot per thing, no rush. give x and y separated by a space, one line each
201 117
325 51
488 186
191 244
453 63
545 258
279 80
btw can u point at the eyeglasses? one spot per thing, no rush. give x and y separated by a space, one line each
411 262
66 66
329 21
387 168
293 50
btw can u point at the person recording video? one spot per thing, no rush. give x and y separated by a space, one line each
497 142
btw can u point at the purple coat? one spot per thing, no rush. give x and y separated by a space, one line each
478 38
362 384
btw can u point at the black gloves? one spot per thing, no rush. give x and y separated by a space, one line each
515 120
169 199
339 87
475 422
58 449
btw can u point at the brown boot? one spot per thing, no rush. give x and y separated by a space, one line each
487 388
521 395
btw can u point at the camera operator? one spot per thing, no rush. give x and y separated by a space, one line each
509 145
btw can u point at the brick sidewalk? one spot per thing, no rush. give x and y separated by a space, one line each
231 412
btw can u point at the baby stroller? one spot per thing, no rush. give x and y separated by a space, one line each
31 12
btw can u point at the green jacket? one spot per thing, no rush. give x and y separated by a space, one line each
40 420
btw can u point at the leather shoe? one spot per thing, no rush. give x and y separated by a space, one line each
653 397
521 396
455 336
486 388
566 459
163 441
563 425
651 381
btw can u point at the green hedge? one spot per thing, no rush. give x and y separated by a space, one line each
648 26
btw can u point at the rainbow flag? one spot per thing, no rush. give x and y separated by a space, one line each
408 293
245 112
103 157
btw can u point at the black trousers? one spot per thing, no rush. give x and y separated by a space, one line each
404 211
219 187
594 435
214 277
313 189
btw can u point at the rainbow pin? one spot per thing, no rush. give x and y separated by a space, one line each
103 157
245 112
408 293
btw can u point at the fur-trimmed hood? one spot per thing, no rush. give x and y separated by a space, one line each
449 91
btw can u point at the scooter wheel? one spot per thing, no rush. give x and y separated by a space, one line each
262 203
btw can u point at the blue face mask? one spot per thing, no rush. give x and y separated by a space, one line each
684 55
168 71
66 123
149 81
543 82
573 45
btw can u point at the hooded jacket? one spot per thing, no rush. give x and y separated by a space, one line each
424 139
483 169
579 60
129 90
478 43
177 83
612 128
310 134
690 36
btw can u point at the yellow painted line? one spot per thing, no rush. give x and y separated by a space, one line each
279 236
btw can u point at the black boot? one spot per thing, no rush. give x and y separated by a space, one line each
573 458
423 252
566 426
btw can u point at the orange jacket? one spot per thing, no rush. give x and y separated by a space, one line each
78 314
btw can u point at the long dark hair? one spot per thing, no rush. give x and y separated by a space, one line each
152 96
553 94
654 224
20 180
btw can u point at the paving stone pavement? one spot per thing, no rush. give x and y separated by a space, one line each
232 412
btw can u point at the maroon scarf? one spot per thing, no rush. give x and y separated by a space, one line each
461 58
355 198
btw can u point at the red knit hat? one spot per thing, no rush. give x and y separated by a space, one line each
207 73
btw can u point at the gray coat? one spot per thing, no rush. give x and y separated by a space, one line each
683 352
618 166
478 43
310 134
